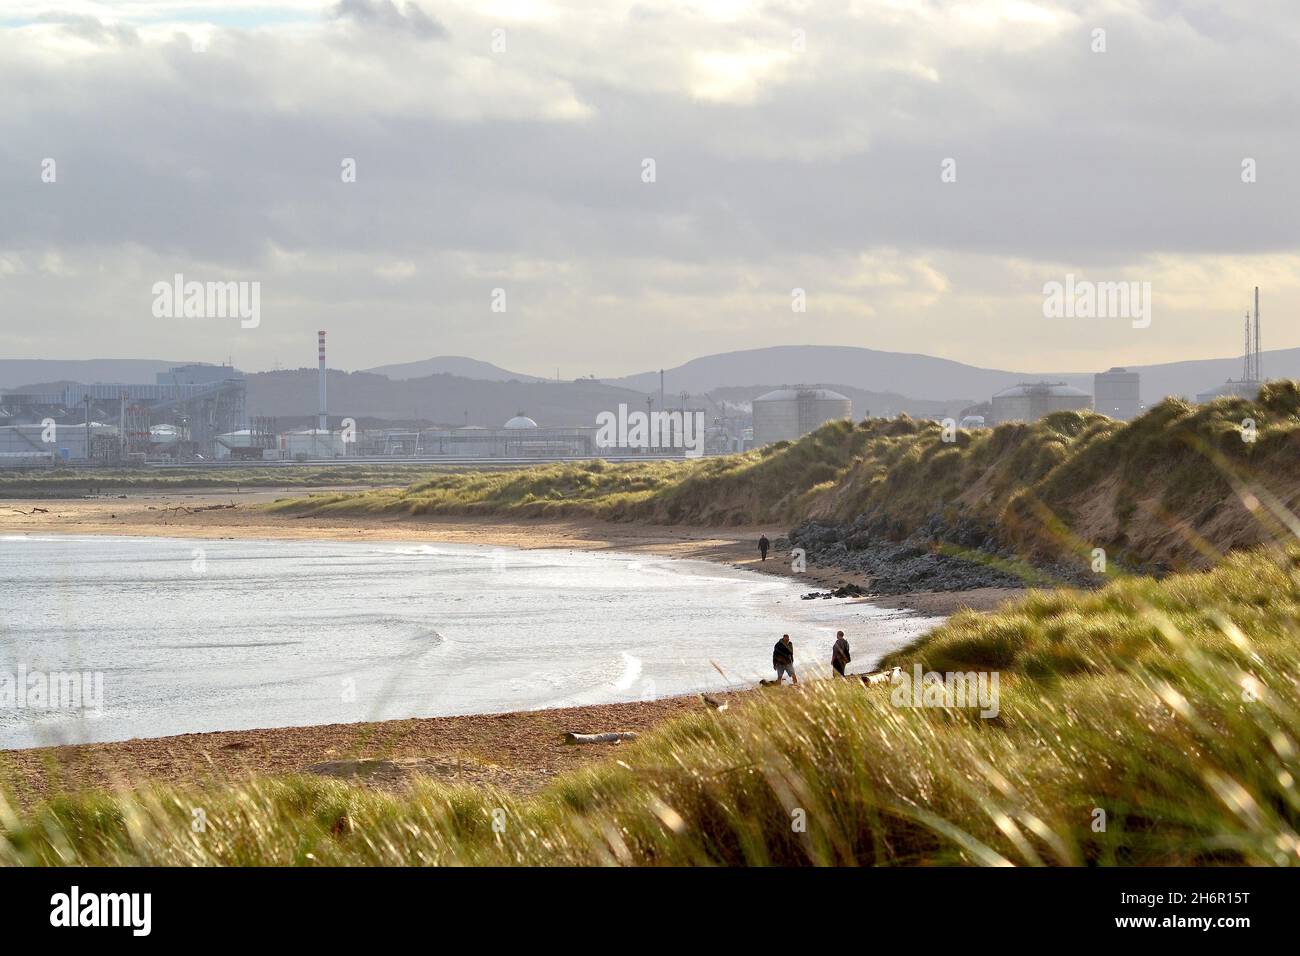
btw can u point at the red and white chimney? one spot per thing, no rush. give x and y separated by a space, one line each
320 343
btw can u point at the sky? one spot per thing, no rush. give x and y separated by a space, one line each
921 170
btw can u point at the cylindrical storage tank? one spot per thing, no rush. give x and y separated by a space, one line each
1118 393
1030 401
790 413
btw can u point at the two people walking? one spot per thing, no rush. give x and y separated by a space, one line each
783 657
783 652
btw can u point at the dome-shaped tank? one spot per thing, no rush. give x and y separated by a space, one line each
789 413
1030 401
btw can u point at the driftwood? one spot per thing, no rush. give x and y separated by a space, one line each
189 511
880 677
43 511
608 738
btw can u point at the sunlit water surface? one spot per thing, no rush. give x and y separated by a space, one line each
199 635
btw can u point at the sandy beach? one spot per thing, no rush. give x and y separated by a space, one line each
518 751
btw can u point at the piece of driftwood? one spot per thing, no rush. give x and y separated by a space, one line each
189 511
608 738
880 677
714 702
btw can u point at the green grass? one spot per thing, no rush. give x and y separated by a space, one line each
1053 489
1172 707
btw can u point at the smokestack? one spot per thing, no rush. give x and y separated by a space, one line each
320 343
1259 352
1247 354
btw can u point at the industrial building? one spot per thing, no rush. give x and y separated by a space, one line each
1030 401
1117 393
180 415
21 444
789 413
1252 372
1231 388
519 437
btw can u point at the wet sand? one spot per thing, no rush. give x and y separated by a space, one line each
517 751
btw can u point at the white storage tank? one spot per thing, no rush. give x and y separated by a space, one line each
1030 401
790 413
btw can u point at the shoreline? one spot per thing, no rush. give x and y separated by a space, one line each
518 750
177 514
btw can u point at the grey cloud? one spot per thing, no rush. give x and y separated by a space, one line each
409 18
1064 156
91 29
1060 153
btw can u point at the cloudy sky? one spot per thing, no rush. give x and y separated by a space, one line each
501 144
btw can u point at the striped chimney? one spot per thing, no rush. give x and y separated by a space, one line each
320 343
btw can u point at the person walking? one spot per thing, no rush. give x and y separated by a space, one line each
840 655
783 659
763 545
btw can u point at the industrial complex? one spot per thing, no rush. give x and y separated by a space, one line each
199 413
181 415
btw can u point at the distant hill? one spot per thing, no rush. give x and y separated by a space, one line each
916 376
16 373
441 399
451 365
926 377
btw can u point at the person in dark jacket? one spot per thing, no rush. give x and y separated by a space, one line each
840 656
783 659
763 545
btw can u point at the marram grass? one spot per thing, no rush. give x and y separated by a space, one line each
1056 488
1148 723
